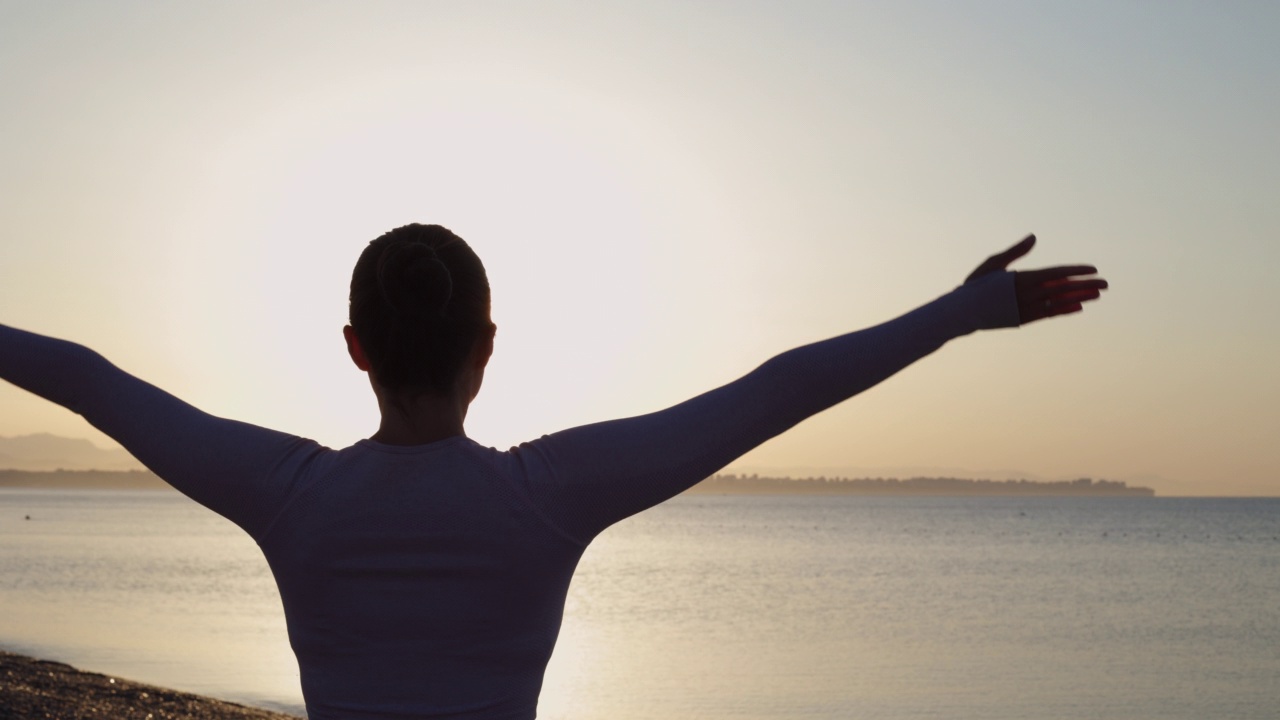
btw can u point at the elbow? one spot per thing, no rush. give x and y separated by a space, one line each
82 379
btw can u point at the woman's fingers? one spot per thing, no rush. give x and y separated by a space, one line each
1001 260
1049 275
1045 291
1052 311
1052 308
1052 291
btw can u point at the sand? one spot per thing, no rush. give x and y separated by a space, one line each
31 688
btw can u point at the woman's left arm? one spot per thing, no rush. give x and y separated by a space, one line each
240 471
585 478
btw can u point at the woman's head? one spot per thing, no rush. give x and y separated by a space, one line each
419 306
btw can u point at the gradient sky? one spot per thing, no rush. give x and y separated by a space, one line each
666 194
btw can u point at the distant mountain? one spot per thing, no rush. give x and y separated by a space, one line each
42 452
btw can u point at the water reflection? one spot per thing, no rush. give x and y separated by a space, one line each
737 607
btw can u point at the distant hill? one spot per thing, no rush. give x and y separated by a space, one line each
43 451
757 485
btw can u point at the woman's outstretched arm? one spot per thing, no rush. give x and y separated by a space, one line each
225 465
586 478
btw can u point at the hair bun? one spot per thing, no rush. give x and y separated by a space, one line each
419 303
414 281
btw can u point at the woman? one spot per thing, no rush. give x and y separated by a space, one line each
422 574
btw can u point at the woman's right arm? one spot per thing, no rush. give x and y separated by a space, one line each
240 471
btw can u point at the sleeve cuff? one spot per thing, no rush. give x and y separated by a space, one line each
987 303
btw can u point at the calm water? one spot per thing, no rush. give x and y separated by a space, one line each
737 607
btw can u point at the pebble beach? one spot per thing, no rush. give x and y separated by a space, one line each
31 688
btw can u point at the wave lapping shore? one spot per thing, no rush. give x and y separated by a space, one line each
33 689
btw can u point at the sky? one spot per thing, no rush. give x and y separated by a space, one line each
665 195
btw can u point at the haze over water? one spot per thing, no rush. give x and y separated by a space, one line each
737 607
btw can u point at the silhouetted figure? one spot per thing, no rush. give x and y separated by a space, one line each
423 574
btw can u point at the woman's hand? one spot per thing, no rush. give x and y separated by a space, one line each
1047 292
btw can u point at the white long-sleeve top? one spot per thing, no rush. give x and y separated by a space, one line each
429 581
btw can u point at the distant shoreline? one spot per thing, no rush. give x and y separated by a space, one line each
758 485
728 484
82 480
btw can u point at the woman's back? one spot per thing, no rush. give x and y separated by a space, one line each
418 581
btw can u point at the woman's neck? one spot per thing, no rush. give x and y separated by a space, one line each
421 419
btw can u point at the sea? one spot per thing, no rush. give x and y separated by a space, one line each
735 607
